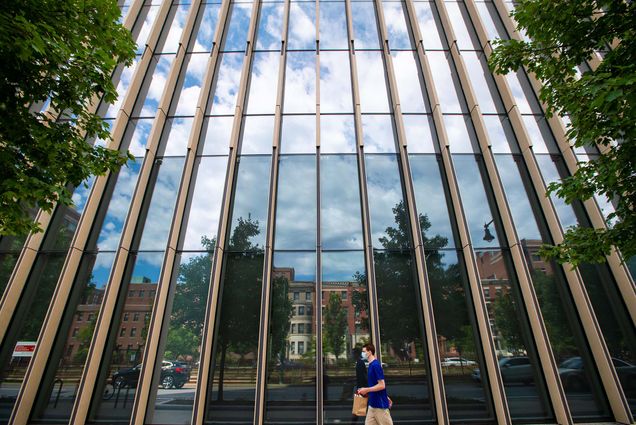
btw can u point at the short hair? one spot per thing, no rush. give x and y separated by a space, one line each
370 347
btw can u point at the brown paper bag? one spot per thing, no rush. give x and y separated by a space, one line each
359 405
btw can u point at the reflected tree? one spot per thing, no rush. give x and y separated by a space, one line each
334 326
280 319
507 322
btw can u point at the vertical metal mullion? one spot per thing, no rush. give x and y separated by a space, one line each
364 196
624 280
142 395
432 347
319 346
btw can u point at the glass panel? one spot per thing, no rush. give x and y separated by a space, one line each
458 340
186 94
462 26
365 30
236 33
154 83
7 264
373 89
136 136
475 202
298 134
202 214
258 134
263 88
270 27
430 198
233 374
430 26
333 26
296 203
141 30
215 135
420 135
446 83
158 220
386 203
222 100
540 134
395 21
175 137
337 134
300 83
502 139
179 350
205 27
172 29
491 20
64 368
249 208
345 328
24 328
377 133
340 223
460 134
291 363
482 83
401 330
121 366
125 76
550 172
522 92
408 82
302 26
335 82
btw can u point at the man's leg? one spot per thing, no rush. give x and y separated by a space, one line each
371 419
383 417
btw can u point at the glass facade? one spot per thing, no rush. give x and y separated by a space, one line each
310 176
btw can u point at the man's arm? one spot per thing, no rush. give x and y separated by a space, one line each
377 387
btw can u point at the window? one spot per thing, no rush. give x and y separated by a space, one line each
75 332
135 317
69 350
129 347
141 293
122 332
301 328
125 317
293 330
343 295
293 347
308 310
301 347
301 310
296 296
307 296
80 316
152 293
91 316
133 332
131 294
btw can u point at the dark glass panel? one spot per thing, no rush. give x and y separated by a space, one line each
7 264
232 379
291 360
345 328
296 203
65 366
341 219
402 331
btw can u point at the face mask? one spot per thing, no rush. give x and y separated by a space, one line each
365 355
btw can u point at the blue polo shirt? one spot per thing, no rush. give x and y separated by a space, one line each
377 399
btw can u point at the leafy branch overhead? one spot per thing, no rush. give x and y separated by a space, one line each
599 103
63 53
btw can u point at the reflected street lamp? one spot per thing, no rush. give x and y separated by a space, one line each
488 237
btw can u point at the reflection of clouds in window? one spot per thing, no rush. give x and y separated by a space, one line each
302 263
377 133
385 193
337 134
395 21
101 269
342 266
373 91
446 83
474 201
138 131
550 174
539 134
80 194
227 84
430 198
175 136
522 213
263 87
333 26
164 194
335 82
458 16
365 30
341 221
296 203
482 83
206 29
108 239
526 105
251 197
408 83
148 14
500 134
302 26
459 131
236 36
195 65
257 136
155 87
492 22
215 135
298 134
171 44
270 27
430 29
122 88
202 218
147 265
300 83
419 133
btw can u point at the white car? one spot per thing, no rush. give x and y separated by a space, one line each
457 361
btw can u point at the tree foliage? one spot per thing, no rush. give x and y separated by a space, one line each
600 105
334 325
63 52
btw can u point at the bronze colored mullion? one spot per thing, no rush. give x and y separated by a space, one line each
318 284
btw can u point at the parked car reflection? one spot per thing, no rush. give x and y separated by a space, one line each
513 370
174 374
457 361
572 372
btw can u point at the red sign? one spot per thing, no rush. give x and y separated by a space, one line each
24 349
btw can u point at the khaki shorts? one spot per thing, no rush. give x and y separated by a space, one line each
378 416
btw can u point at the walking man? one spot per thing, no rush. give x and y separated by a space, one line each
379 403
